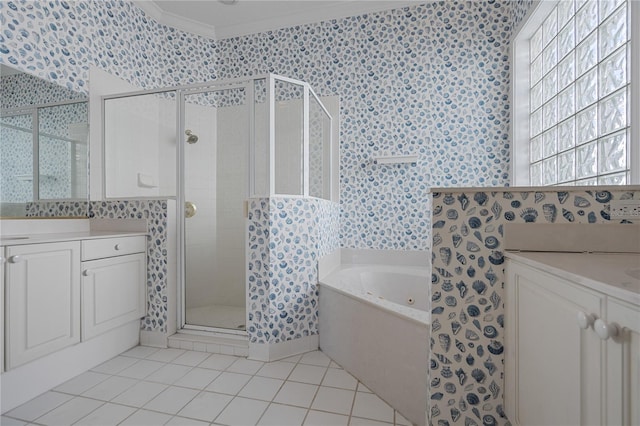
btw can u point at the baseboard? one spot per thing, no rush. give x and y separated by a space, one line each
228 344
274 351
155 339
27 381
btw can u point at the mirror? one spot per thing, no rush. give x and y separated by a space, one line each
43 147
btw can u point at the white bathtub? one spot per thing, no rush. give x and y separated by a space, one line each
374 322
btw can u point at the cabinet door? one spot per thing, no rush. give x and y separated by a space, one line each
2 260
113 293
623 364
552 365
42 300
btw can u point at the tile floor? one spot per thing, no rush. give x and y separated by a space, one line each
150 386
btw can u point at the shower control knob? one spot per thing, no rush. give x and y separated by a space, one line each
585 320
604 330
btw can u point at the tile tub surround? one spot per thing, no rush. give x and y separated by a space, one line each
466 361
153 386
286 236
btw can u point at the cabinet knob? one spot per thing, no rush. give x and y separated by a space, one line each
117 247
15 259
585 320
604 330
86 272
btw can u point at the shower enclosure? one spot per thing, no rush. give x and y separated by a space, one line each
247 138
256 137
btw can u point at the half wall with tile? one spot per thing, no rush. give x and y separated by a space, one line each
286 238
467 291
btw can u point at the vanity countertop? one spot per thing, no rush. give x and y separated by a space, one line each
20 239
615 274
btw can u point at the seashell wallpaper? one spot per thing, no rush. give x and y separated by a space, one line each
398 73
467 289
286 237
431 80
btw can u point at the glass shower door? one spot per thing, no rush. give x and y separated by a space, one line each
216 180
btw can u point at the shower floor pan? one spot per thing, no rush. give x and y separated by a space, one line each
219 316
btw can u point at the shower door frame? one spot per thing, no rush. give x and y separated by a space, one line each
270 97
248 84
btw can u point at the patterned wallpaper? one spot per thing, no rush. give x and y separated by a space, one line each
19 90
22 90
57 152
58 40
466 360
431 80
286 238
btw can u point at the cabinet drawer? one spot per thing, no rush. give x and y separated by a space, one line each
108 247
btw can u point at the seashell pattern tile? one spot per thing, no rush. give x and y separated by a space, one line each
467 291
286 237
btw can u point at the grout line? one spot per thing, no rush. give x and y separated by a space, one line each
200 391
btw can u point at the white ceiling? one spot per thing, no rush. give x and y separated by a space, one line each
217 19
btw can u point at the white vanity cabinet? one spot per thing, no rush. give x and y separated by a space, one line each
2 310
572 352
623 362
42 306
74 293
114 274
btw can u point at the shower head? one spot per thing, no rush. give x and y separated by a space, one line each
191 137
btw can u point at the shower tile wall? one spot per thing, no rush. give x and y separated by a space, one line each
467 353
200 160
217 179
286 238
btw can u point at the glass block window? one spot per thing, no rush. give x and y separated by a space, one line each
579 95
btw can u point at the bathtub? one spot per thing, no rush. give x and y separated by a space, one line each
374 322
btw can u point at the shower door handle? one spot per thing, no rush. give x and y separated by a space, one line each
190 209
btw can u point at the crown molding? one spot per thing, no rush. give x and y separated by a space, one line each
152 10
336 10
